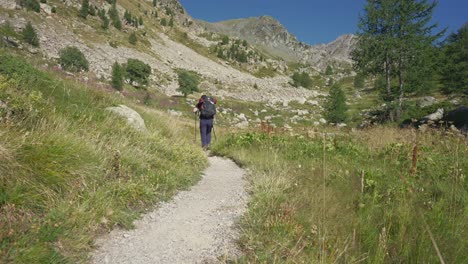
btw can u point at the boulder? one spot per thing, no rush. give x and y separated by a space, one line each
133 118
427 101
8 4
458 118
436 116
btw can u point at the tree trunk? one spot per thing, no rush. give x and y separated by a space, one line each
402 91
387 77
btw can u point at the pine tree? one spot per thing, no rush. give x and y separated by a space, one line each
335 107
114 16
395 41
454 64
117 76
329 70
84 11
155 3
188 82
171 22
30 35
140 20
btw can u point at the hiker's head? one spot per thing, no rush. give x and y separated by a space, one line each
204 97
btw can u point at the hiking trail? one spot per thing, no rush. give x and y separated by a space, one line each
196 226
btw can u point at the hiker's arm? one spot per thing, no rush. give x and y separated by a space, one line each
197 107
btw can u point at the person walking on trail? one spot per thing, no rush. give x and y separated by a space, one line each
206 107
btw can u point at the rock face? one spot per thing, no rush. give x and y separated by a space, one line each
133 118
8 4
269 33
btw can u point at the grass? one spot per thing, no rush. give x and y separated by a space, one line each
70 170
353 197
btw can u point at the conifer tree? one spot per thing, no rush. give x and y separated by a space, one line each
171 22
84 11
30 35
117 76
335 107
454 64
329 70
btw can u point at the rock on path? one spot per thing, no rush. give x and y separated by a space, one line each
197 226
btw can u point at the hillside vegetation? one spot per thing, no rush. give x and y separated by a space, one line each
377 196
70 170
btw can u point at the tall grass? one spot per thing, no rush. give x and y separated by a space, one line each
357 197
70 170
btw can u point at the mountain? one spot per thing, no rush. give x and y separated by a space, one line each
275 39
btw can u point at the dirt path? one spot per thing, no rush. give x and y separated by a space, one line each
197 226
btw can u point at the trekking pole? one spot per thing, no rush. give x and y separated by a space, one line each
214 133
195 127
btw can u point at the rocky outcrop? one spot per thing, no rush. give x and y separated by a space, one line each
274 37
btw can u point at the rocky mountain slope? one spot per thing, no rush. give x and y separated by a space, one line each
159 47
275 38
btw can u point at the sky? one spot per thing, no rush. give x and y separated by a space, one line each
314 21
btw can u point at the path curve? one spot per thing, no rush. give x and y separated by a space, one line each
196 226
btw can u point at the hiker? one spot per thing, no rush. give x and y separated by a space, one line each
206 107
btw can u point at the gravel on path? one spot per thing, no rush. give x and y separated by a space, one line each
196 226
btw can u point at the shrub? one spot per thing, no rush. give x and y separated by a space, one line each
92 10
301 79
117 76
72 59
53 10
163 22
31 5
114 16
225 40
84 9
171 22
329 70
30 35
140 20
188 82
335 107
359 81
44 1
137 71
132 38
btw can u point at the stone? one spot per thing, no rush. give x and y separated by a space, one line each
174 112
312 102
427 101
8 4
133 118
322 120
436 116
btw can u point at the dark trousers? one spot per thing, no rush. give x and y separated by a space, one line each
206 126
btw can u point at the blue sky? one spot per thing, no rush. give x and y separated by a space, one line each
313 21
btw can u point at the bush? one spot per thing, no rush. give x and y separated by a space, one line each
137 71
117 76
329 70
132 38
31 5
84 11
225 40
188 82
72 59
359 81
335 107
114 16
30 35
163 22
301 79
53 10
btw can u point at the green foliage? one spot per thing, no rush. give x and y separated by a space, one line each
244 43
44 1
335 107
68 167
329 70
29 35
117 76
114 16
92 10
84 11
171 22
265 72
53 10
137 71
104 20
301 79
132 39
140 20
155 3
188 82
7 30
225 40
72 59
396 41
359 81
31 5
454 64
163 22
360 186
